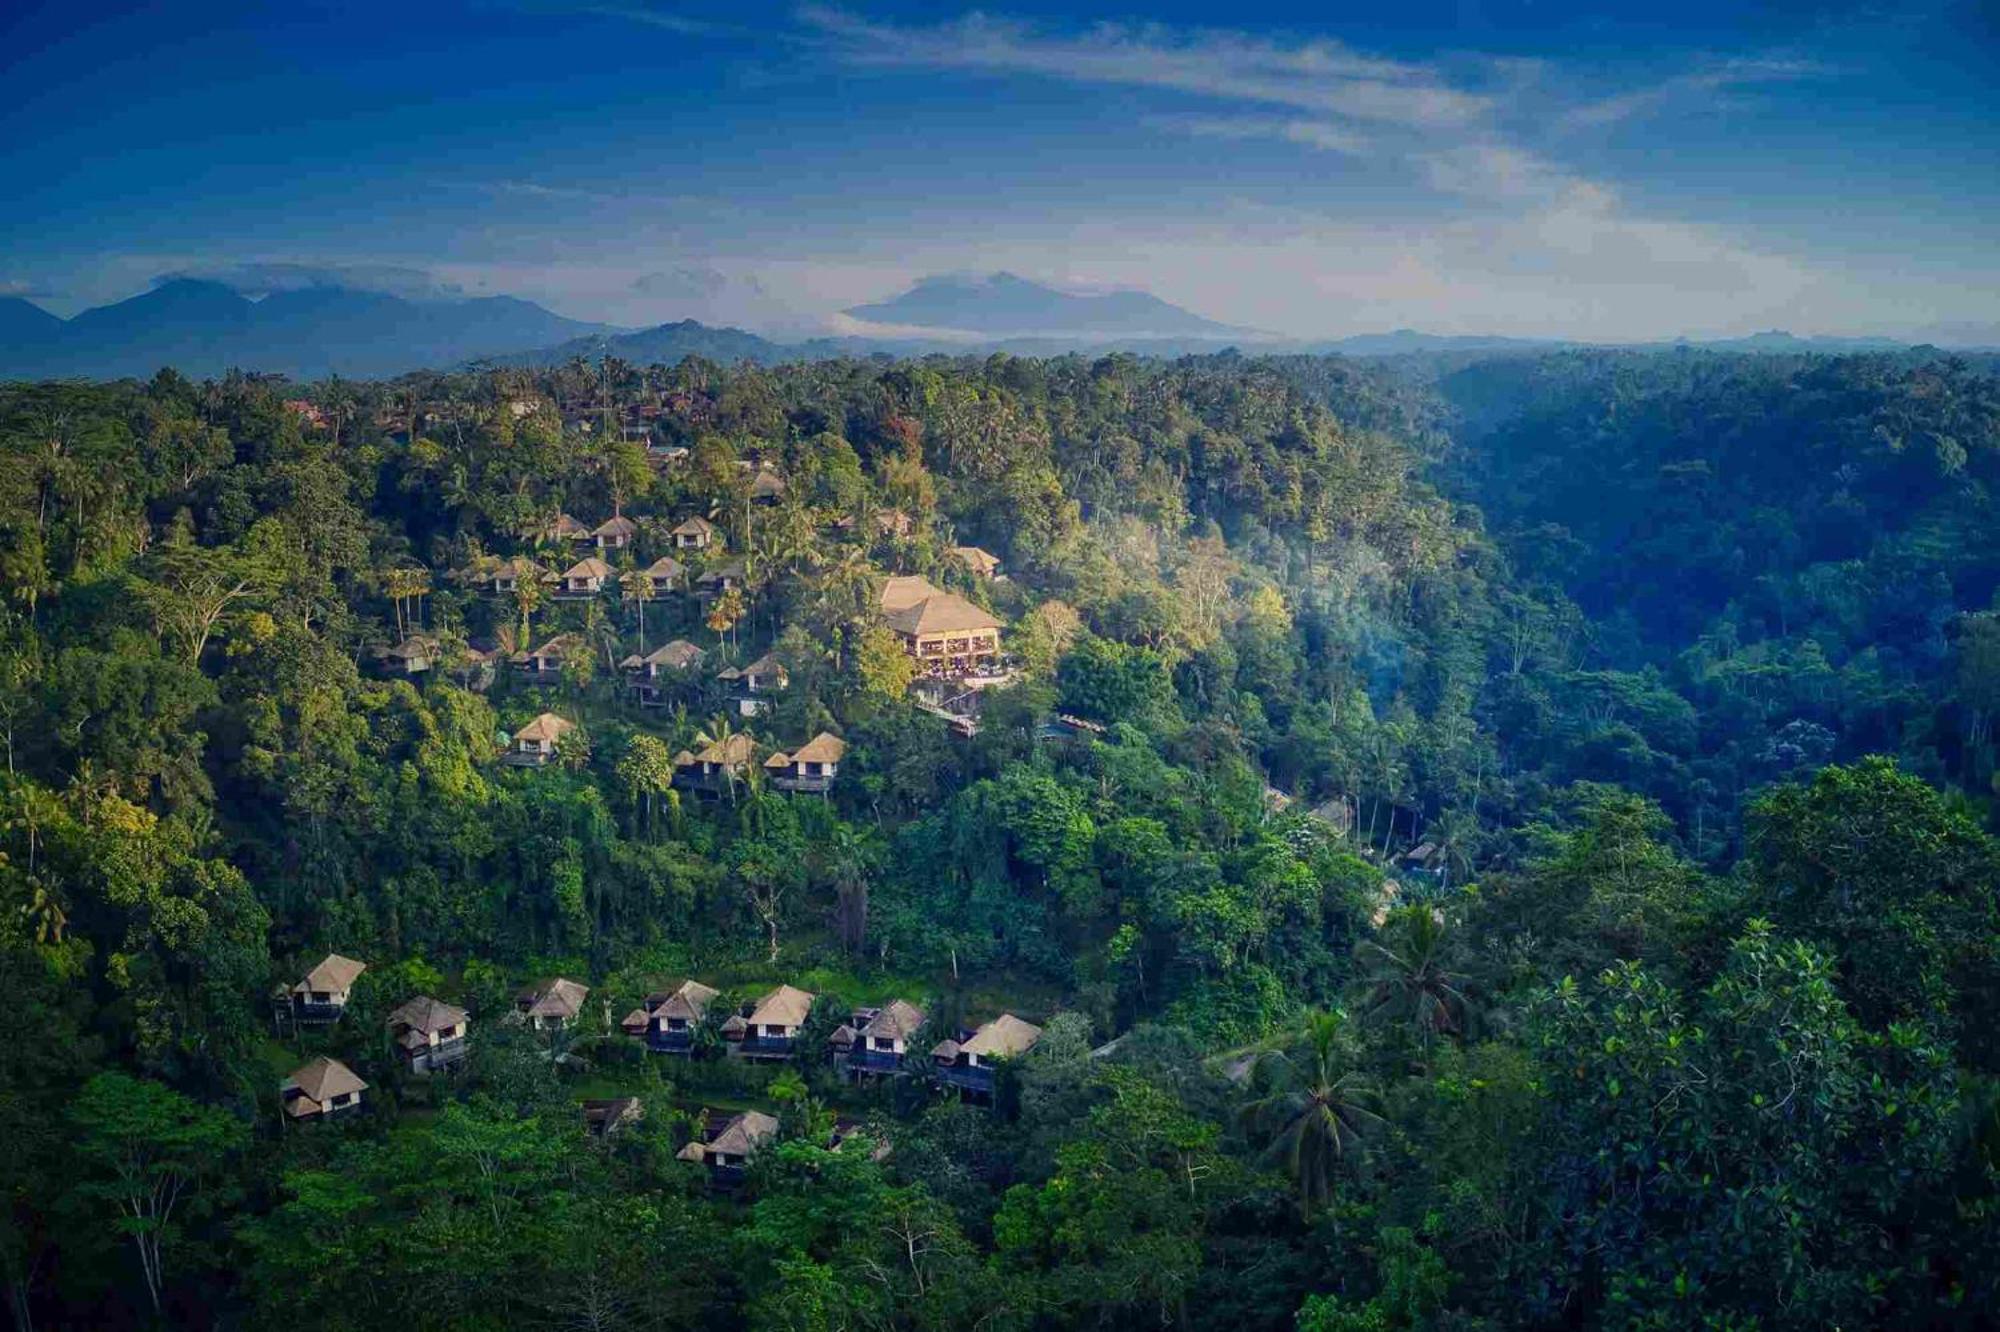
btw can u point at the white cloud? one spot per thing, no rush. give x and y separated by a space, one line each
1318 134
1707 85
1321 77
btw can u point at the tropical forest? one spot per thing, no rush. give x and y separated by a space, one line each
1462 840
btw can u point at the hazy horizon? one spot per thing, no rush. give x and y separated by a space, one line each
1497 170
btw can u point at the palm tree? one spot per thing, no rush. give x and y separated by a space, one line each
1407 978
1318 1115
527 596
719 732
407 584
637 588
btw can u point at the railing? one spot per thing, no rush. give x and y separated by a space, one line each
306 1011
765 1047
670 1042
816 784
875 1061
967 1077
444 1052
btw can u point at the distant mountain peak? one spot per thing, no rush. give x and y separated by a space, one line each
1006 304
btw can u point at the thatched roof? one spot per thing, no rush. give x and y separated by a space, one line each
616 526
766 665
566 526
734 751
519 567
678 655
588 567
742 1135
695 526
902 591
822 748
634 1022
334 973
728 569
666 567
559 998
898 1021
416 645
945 613
426 1014
982 562
548 727
606 1116
323 1079
560 647
1003 1037
785 1006
690 1000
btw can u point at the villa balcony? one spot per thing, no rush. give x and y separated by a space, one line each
967 1078
875 1061
765 1047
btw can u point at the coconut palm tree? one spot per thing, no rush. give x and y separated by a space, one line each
527 596
637 588
1407 979
719 732
1318 1115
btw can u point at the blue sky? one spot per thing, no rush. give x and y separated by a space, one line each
1537 168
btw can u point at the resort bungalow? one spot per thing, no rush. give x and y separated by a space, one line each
413 656
771 1026
948 636
644 673
585 578
665 574
810 767
888 523
874 1042
695 533
727 1151
968 1063
322 1089
749 684
717 768
767 486
603 1118
429 1033
535 744
510 574
714 582
322 996
672 1018
566 528
614 533
543 665
982 563
552 1005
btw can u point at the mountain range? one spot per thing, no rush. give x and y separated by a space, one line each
1001 305
204 328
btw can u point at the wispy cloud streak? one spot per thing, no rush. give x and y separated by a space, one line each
1320 77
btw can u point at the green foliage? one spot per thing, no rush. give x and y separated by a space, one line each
1521 707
